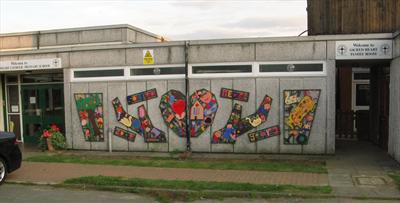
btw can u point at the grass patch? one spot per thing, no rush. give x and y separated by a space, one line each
203 189
256 165
396 177
196 185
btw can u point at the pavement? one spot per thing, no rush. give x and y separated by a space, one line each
53 173
358 170
48 194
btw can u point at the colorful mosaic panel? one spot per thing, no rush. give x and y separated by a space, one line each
124 118
203 107
124 134
237 126
90 111
141 125
264 133
173 111
300 106
150 133
142 96
228 134
256 119
234 94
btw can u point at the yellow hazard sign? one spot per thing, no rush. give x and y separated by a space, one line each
148 56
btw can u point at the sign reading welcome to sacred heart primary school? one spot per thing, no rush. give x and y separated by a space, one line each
364 49
33 64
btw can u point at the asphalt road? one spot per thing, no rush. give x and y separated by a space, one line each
13 193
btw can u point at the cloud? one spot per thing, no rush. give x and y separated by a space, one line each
197 4
177 20
271 22
222 33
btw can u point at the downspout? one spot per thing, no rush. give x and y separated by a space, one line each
188 147
38 40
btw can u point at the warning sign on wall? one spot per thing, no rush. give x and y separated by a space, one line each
148 56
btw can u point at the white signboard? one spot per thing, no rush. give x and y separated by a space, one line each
34 64
14 108
32 100
364 49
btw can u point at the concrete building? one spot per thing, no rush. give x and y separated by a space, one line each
122 88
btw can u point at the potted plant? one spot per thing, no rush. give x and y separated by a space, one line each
52 139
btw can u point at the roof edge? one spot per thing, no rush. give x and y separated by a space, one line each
100 27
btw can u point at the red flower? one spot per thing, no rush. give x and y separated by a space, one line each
46 134
54 127
83 115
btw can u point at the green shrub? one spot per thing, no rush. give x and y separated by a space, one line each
57 138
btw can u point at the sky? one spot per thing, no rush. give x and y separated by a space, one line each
174 20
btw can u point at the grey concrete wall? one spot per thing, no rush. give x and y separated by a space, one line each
21 41
257 87
162 55
322 138
75 36
268 51
394 104
394 109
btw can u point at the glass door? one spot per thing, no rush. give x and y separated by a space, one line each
42 105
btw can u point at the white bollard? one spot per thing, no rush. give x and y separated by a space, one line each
109 140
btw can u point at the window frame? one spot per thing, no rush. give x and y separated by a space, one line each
90 79
221 75
291 74
126 76
155 77
255 71
354 83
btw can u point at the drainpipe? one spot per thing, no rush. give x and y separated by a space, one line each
38 40
188 148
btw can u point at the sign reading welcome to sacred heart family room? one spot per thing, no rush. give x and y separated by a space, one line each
33 64
364 49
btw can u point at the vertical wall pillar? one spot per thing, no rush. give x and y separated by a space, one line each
394 102
394 109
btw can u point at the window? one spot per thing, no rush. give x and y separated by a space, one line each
98 73
291 67
360 89
42 78
13 98
12 78
222 69
157 71
362 94
361 76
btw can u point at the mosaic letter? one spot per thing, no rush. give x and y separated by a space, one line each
237 126
90 111
234 94
264 133
173 111
142 126
300 106
142 96
124 134
203 107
